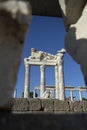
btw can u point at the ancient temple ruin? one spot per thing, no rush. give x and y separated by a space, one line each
43 59
58 91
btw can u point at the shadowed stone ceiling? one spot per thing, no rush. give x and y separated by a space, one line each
45 8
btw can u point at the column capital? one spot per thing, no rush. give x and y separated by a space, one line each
60 62
56 66
25 60
27 65
42 67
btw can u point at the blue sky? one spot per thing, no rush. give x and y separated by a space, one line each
47 34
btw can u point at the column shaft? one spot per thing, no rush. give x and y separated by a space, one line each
15 93
71 95
42 80
27 81
34 92
56 82
80 95
61 80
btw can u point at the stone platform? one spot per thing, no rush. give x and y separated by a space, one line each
47 105
44 114
46 121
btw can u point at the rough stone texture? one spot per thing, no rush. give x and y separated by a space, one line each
72 10
84 105
13 29
34 104
75 12
76 106
61 105
20 104
76 42
47 105
43 121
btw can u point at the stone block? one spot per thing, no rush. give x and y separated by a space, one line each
61 105
34 104
85 106
76 106
20 104
47 105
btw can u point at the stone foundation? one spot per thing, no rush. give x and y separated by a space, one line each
40 121
44 114
48 105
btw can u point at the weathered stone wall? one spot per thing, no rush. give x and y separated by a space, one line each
44 114
48 105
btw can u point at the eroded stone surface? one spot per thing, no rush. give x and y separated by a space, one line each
75 13
34 104
14 24
61 105
76 42
76 106
72 10
48 105
20 104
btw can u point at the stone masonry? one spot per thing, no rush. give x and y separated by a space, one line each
47 105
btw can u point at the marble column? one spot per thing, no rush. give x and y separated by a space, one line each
27 81
80 95
61 80
34 93
42 80
60 62
56 82
71 95
15 93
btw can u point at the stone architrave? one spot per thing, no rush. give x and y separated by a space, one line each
41 56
